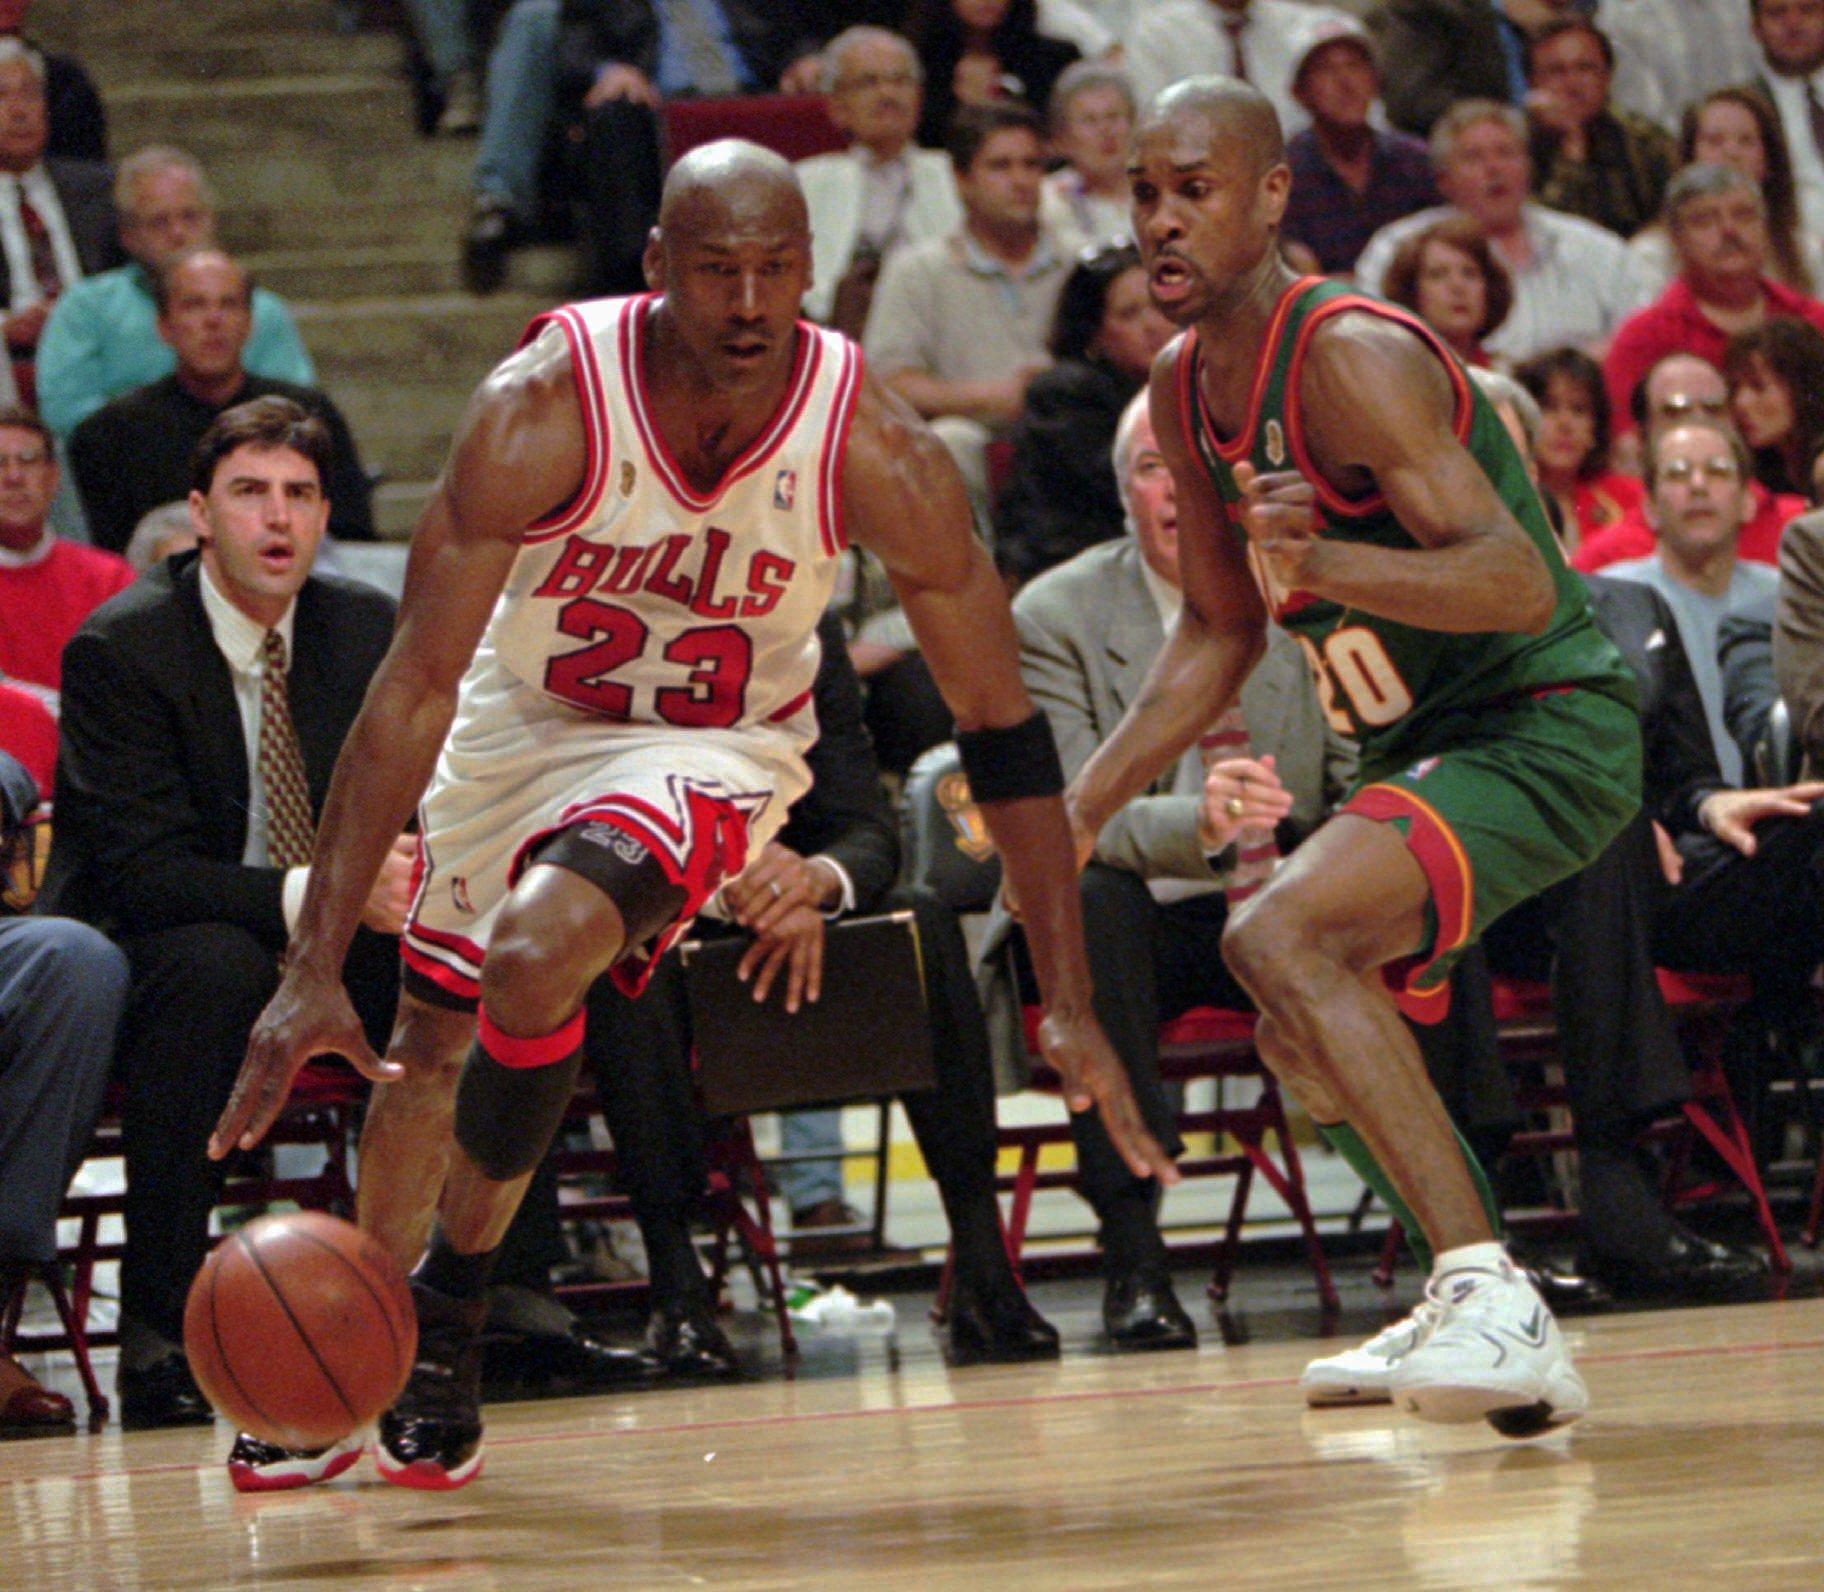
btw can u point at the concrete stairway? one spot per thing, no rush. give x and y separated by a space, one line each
329 195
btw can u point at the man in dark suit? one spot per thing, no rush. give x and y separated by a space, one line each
620 59
133 454
56 216
203 709
838 855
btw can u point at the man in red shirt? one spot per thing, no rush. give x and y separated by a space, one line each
1718 223
1676 388
47 586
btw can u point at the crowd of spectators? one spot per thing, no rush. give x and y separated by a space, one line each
1618 202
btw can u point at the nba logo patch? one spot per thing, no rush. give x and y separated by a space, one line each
1276 443
1423 767
459 893
785 489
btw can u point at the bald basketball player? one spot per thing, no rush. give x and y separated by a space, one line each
600 685
1337 472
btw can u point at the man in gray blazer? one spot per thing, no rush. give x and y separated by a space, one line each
1155 893
882 191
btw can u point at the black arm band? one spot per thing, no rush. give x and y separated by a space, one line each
1011 763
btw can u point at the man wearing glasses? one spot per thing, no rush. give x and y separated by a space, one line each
1677 388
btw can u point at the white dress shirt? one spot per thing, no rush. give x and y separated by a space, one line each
1578 287
43 195
240 640
1789 99
1671 53
1172 39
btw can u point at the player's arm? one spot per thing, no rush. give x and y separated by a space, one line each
906 504
519 454
1220 636
1377 401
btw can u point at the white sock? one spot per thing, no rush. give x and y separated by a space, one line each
1482 1257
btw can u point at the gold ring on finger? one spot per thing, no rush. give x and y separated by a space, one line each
1233 807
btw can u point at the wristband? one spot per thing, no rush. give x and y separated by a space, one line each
1012 762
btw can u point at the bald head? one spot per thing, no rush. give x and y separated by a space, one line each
1236 119
732 184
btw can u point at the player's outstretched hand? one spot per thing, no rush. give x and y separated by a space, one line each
1279 513
306 1017
1092 1076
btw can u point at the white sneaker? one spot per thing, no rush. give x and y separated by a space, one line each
1494 1352
1364 1374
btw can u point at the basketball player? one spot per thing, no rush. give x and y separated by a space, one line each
602 670
1336 471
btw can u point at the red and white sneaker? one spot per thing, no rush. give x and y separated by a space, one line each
431 1438
257 1466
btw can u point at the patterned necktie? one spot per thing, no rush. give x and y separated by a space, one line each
709 68
43 251
1256 850
290 833
1233 25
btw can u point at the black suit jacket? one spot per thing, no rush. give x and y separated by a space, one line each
845 814
1434 52
1680 768
769 34
152 776
79 124
85 189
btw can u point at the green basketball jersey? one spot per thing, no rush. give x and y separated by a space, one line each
1396 687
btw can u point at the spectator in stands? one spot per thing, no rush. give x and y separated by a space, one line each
48 586
1791 36
960 324
1571 455
446 38
56 217
1258 41
28 732
203 709
978 53
1737 127
160 533
1572 281
1798 636
1718 223
102 339
1590 159
1156 891
1349 177
61 990
620 60
1451 279
1061 494
1745 894
1092 119
515 138
1678 388
1669 54
1775 373
79 122
881 193
134 453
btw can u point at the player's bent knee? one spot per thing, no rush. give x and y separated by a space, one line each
1265 948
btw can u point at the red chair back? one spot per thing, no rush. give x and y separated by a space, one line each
792 125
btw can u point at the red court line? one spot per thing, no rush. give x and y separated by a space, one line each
962 1406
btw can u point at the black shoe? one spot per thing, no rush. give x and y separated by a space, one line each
1140 1311
1560 1285
485 245
998 1326
683 1340
1683 1266
577 1358
161 1394
431 1438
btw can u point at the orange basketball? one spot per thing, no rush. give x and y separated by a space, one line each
300 1329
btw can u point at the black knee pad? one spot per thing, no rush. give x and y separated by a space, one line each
623 870
506 1117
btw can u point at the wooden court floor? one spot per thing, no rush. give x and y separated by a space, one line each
1699 1467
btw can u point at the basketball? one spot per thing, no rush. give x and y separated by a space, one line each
300 1329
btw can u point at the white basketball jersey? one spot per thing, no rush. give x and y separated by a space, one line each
650 603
